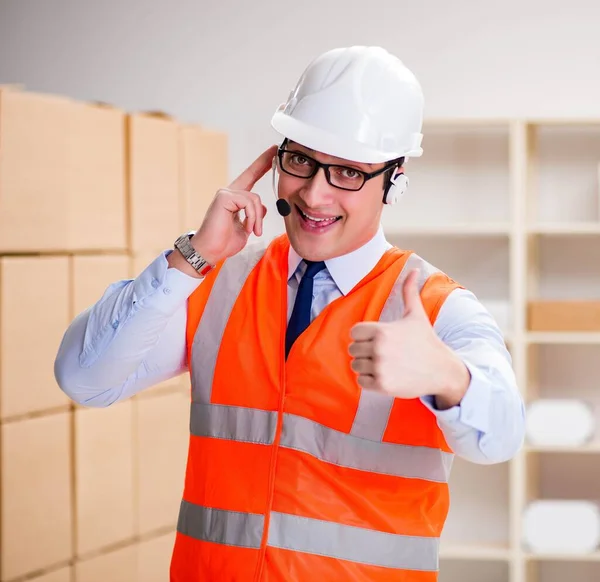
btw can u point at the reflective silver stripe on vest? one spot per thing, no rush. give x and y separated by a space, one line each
235 423
345 450
223 295
351 543
393 310
231 528
373 413
303 534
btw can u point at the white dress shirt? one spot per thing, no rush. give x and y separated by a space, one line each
135 337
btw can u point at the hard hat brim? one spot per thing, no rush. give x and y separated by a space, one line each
326 143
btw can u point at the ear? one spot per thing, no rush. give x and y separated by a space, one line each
396 188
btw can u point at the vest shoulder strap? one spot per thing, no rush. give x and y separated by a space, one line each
433 284
227 280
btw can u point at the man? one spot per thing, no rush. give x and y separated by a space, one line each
333 375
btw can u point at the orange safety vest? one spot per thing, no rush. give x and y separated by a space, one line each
294 472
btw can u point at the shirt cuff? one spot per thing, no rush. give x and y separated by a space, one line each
162 288
474 408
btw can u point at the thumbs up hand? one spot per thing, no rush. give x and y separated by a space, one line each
405 358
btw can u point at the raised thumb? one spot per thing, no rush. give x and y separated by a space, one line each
410 293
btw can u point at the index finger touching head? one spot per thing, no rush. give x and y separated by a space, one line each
255 171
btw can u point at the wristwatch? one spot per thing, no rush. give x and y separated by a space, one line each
183 245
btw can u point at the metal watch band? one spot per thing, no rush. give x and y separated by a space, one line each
197 261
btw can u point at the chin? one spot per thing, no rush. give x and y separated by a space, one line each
315 243
312 250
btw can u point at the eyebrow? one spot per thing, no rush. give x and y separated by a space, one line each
343 163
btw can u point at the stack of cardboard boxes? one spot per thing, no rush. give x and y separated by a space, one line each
89 195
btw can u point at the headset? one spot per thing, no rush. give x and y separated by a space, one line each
283 206
394 190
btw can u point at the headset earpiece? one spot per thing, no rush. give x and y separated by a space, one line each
396 188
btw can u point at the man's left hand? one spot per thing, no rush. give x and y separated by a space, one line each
406 358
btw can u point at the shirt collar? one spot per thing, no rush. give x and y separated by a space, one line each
347 270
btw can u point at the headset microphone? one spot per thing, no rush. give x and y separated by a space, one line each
283 207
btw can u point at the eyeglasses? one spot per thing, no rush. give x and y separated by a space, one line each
300 165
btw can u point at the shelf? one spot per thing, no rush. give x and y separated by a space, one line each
450 551
592 557
563 184
457 122
462 183
502 121
495 229
563 337
510 208
593 447
565 228
564 121
459 229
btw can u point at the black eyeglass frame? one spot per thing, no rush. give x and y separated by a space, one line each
366 175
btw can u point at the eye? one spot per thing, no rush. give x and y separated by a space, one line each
347 173
299 159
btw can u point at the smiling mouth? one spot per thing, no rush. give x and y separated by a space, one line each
317 222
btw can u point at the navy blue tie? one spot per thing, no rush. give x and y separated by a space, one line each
300 318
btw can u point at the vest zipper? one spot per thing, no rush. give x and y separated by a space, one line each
272 469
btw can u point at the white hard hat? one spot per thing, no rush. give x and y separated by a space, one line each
358 103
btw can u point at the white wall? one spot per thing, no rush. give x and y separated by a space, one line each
228 64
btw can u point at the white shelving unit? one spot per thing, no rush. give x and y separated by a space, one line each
511 209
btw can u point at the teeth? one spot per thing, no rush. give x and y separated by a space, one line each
318 219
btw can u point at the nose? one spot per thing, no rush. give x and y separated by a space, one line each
317 191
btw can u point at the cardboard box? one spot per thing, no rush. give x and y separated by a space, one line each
116 566
161 451
154 558
154 181
97 184
34 314
62 174
93 274
563 315
104 476
36 494
60 575
34 144
204 171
